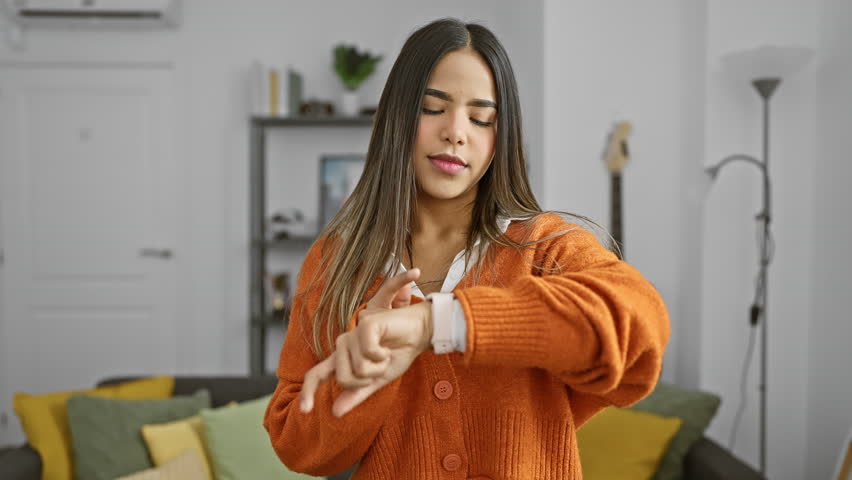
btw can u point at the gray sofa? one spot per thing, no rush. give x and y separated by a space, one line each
705 461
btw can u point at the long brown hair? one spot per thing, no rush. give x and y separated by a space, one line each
376 221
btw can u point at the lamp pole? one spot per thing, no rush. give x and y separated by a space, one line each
765 87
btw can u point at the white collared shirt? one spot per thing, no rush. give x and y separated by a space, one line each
454 275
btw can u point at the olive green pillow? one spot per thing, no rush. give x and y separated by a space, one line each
239 446
694 407
106 433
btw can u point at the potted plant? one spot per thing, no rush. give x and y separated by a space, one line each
353 67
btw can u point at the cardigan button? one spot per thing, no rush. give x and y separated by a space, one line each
451 462
443 390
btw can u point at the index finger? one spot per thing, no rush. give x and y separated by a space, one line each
402 297
386 293
318 374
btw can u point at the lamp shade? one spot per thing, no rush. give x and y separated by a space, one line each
768 61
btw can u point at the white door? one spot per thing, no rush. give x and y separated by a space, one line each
89 208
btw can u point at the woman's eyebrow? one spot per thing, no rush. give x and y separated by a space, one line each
476 102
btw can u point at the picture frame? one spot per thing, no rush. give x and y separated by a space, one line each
843 470
338 176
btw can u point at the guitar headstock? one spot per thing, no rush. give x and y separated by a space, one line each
617 154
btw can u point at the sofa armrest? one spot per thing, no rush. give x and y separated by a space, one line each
20 463
707 460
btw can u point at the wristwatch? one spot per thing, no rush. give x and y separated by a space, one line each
442 321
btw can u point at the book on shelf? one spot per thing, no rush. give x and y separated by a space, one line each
276 90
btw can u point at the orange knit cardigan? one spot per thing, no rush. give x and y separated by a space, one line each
545 352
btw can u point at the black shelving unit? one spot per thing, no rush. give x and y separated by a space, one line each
260 319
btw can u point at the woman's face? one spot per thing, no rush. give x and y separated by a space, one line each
457 128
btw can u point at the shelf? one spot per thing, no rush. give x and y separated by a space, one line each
259 319
270 319
312 121
301 241
291 240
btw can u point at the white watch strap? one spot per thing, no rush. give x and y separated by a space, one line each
459 327
442 321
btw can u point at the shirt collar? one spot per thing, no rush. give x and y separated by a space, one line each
457 268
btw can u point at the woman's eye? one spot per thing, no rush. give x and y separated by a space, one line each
473 120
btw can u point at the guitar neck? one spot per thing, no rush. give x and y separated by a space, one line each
615 210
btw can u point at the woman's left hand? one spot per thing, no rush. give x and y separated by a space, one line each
380 349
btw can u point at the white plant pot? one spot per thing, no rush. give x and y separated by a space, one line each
349 105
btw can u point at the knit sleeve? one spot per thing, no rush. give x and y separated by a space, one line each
597 324
317 443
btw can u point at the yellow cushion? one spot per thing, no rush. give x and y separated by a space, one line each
622 443
186 466
167 441
45 422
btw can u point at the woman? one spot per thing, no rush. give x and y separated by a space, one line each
528 328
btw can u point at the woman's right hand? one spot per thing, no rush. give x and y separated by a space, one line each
381 348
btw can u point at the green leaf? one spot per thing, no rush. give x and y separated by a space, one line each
353 67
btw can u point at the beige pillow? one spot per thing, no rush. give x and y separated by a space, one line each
187 466
166 441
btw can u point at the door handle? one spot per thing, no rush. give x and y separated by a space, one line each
163 253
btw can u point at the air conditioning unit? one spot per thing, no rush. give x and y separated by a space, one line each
94 13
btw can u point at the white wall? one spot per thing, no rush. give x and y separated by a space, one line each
829 381
518 26
733 125
610 60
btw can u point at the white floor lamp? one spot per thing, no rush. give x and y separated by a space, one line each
764 67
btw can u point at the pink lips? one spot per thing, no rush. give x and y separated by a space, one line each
446 163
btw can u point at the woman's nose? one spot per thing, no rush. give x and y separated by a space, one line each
454 130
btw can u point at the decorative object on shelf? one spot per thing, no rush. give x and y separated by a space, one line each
316 108
353 67
764 68
275 90
279 285
295 90
338 176
289 223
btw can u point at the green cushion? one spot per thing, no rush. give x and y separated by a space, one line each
239 446
106 433
695 408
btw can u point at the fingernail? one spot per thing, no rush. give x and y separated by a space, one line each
303 406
